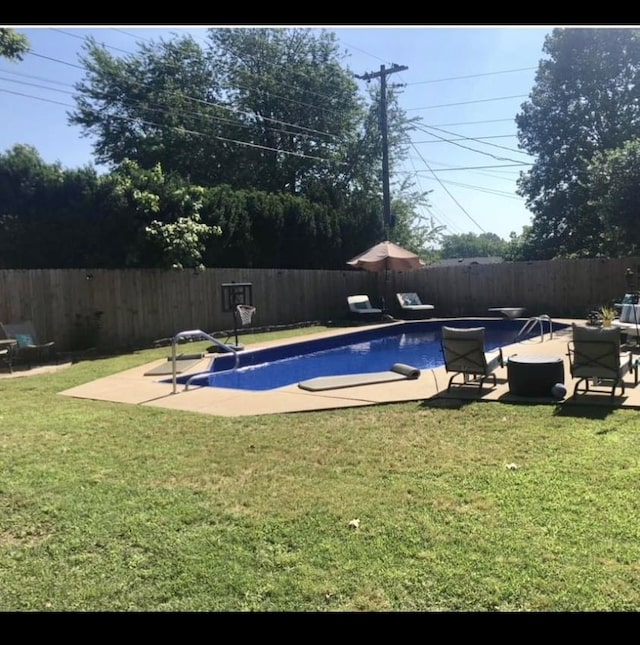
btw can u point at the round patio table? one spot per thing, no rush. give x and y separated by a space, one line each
534 375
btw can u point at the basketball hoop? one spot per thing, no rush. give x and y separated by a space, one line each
246 313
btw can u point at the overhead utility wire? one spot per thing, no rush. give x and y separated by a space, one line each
497 98
481 152
461 138
501 176
245 87
84 37
481 189
473 122
458 78
66 33
184 130
478 139
266 61
448 191
509 165
426 206
209 103
158 108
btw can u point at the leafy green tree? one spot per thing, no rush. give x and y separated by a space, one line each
155 107
586 99
12 44
46 212
614 181
163 213
270 109
259 110
299 107
469 245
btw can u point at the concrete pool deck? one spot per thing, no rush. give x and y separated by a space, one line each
133 387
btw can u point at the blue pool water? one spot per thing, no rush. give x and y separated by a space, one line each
373 350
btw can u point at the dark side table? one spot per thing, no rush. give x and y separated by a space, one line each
531 375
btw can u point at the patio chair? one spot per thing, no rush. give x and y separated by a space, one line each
28 348
360 307
594 354
464 354
412 307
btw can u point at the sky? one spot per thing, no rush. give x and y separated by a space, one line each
465 83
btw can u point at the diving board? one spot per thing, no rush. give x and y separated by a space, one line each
184 362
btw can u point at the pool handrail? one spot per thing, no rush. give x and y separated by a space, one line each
190 333
531 322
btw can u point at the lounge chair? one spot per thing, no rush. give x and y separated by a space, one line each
412 307
464 353
594 353
360 307
28 348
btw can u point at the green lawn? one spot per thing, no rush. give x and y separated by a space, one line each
478 507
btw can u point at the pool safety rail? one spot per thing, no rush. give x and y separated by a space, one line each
533 322
195 333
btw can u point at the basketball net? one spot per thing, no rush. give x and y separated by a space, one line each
246 313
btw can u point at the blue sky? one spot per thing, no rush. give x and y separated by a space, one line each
466 84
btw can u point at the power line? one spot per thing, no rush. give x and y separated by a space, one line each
414 174
482 152
156 107
481 189
461 138
479 167
500 177
478 139
444 125
458 204
202 101
186 130
458 78
497 98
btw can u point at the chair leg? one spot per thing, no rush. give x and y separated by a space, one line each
575 389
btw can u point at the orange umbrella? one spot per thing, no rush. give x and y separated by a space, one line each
387 256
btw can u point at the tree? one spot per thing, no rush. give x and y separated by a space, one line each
154 107
470 245
614 181
586 99
12 44
269 111
163 215
47 214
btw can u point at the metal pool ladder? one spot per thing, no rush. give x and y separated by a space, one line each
200 333
532 322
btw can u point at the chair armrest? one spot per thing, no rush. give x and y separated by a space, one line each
570 349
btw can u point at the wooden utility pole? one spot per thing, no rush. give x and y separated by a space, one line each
387 220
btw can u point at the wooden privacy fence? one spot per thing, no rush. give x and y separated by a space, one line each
133 307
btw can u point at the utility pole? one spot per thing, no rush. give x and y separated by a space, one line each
386 197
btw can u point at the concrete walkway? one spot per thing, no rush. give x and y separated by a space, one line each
133 387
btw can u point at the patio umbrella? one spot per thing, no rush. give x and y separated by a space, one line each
387 256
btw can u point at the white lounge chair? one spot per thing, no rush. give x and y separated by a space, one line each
360 307
412 307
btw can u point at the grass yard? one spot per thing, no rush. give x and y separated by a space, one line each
481 507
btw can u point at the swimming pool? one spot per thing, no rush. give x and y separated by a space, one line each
372 350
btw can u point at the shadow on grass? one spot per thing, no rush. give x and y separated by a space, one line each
584 409
588 409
